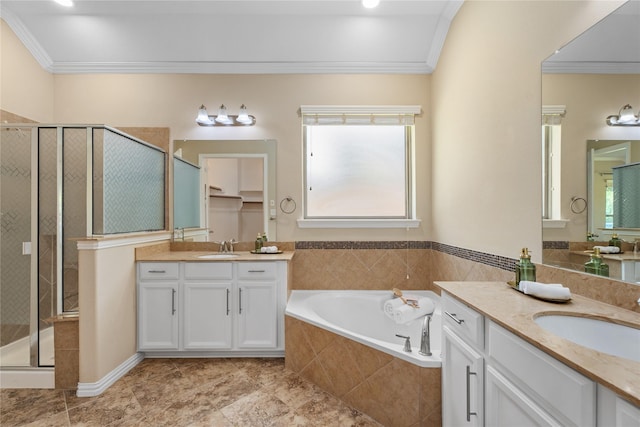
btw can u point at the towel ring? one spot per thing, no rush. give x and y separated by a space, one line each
288 200
578 205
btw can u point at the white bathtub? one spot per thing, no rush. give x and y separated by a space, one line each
358 315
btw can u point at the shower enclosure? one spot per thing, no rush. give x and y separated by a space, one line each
59 183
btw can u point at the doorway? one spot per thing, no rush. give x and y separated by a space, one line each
235 199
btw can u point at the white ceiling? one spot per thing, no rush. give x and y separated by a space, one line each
233 36
612 46
284 36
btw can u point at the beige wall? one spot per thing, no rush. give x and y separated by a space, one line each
589 100
107 302
25 88
486 120
173 100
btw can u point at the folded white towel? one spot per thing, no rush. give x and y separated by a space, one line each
406 313
608 249
391 305
269 249
548 291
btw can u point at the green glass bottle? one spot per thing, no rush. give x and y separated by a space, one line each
258 243
525 269
595 265
616 241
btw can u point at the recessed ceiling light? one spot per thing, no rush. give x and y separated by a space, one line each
67 3
370 4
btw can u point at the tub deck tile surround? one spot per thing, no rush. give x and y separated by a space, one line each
390 390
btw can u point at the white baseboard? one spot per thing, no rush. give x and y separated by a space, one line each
27 378
97 388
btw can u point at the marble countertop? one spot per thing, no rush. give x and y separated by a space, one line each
166 256
516 312
624 256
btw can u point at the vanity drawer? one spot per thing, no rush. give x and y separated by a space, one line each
158 270
208 270
464 320
257 270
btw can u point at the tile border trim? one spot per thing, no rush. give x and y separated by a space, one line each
492 260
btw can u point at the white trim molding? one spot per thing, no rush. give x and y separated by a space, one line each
361 109
97 388
359 223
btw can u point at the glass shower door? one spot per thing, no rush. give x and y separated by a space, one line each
17 308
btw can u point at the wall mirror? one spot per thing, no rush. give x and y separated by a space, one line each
237 186
593 76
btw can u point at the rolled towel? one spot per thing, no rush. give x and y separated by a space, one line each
269 249
551 291
608 249
406 313
391 305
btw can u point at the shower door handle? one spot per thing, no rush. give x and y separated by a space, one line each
173 302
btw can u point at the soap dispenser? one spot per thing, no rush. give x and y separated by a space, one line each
595 264
616 241
525 269
258 243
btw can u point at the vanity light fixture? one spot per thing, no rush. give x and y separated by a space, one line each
625 117
224 119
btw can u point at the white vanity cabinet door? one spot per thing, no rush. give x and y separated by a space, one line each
462 382
158 315
508 406
206 316
257 315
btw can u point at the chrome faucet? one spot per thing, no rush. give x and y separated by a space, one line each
425 343
230 244
407 342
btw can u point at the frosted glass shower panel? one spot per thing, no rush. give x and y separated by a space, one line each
186 194
129 184
626 196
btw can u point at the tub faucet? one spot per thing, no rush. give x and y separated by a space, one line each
425 344
407 342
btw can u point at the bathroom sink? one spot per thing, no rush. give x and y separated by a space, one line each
217 256
597 334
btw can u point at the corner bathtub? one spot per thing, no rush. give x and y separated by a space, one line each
359 316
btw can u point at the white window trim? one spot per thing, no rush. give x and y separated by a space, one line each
359 223
407 223
360 109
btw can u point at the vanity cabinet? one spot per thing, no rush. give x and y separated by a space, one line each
462 364
492 377
212 308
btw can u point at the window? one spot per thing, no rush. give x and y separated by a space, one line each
358 165
551 149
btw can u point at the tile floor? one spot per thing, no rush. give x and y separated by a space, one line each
188 392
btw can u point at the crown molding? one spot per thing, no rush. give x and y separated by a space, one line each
24 35
552 67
